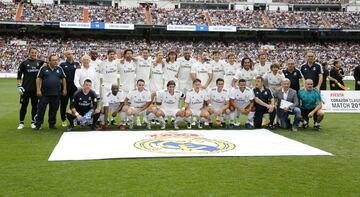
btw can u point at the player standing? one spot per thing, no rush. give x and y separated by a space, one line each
217 66
202 70
26 86
230 69
127 71
69 67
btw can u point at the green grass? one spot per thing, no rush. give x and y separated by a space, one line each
25 170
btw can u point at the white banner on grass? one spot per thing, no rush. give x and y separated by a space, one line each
341 101
188 143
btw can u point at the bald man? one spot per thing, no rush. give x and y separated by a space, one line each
312 70
311 105
69 67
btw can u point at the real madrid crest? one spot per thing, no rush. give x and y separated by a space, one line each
182 143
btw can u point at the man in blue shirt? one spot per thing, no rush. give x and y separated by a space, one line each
50 84
311 105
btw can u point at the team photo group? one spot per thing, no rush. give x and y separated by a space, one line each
175 90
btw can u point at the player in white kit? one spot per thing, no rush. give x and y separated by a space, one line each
195 104
168 101
246 72
87 72
263 66
171 68
114 104
219 103
95 63
274 78
202 70
230 69
217 66
157 73
127 71
184 75
143 67
109 72
242 100
138 100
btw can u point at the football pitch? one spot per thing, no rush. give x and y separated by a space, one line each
25 170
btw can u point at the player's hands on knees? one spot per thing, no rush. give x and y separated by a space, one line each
80 118
311 114
38 93
271 108
114 113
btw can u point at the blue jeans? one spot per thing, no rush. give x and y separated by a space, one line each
284 117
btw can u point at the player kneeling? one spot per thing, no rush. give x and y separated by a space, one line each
219 103
114 103
242 99
139 101
195 104
83 107
168 101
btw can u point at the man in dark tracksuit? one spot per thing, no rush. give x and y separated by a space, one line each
264 103
26 86
49 81
83 107
69 67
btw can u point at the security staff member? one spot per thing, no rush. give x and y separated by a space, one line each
357 77
264 103
312 70
84 103
48 88
26 85
69 67
293 74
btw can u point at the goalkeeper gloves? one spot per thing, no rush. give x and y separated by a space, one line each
20 89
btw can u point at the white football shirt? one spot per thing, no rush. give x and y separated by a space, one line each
196 99
218 99
242 98
138 99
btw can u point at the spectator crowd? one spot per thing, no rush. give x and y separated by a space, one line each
14 49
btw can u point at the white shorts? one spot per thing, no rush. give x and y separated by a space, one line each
195 112
169 113
143 113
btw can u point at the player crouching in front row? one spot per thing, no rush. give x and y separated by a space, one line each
168 104
139 102
242 100
114 102
83 107
218 104
195 104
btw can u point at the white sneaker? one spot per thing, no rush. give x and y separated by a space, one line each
138 122
33 126
21 126
176 126
148 126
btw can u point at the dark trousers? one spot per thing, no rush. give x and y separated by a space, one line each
24 101
305 113
71 117
64 101
259 114
53 102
